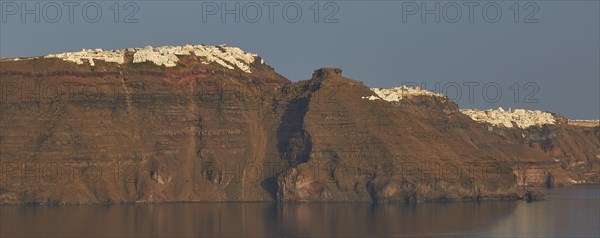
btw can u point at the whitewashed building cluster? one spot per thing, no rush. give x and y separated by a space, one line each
113 56
228 57
397 93
520 117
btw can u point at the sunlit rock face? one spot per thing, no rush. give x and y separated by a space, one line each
586 123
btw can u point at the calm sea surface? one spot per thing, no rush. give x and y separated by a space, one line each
568 212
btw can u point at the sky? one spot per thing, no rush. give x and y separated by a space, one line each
483 54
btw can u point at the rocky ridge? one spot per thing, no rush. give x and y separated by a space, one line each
116 132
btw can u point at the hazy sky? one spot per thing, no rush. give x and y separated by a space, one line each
549 59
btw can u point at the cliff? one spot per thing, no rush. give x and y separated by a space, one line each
201 123
573 145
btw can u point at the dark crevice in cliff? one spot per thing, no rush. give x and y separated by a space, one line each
293 142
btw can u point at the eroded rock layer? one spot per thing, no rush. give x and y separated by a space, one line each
138 132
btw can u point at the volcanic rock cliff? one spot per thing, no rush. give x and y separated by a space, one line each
200 123
576 148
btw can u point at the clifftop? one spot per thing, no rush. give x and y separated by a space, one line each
168 56
173 64
397 93
520 117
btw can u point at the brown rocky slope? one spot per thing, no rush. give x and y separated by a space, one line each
137 132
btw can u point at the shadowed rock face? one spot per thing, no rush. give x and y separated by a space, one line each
200 132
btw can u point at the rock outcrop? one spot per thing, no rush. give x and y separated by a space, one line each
137 131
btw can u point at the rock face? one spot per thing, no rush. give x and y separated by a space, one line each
576 149
135 131
574 145
111 132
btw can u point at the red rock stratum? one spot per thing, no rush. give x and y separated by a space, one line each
153 128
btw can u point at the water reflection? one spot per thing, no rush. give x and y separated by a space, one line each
570 211
389 220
